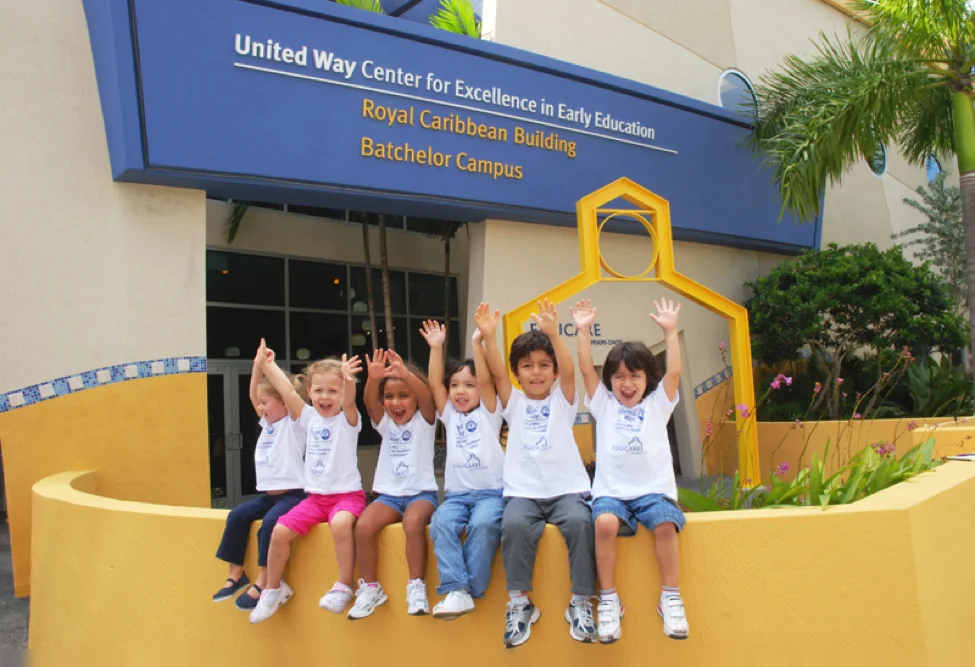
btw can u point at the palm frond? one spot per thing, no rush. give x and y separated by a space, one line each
940 31
457 16
374 6
232 225
927 126
819 116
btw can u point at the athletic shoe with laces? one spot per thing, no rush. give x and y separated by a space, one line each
270 601
671 609
456 604
337 599
581 625
608 616
416 598
519 620
367 598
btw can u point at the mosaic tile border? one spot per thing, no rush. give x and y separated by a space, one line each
99 377
712 382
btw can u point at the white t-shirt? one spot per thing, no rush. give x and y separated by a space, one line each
278 454
405 465
331 462
542 459
633 452
475 460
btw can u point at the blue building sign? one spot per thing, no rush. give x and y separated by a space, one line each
303 101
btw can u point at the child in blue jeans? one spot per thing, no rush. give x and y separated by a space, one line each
468 408
634 480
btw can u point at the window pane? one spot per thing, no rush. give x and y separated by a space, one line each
235 333
420 351
317 285
432 226
735 93
427 295
250 430
362 340
248 279
217 431
397 291
316 336
392 221
368 435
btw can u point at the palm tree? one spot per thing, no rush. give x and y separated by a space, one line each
457 16
905 78
450 229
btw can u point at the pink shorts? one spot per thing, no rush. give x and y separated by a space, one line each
317 508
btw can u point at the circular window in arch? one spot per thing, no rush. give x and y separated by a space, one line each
878 161
933 167
735 93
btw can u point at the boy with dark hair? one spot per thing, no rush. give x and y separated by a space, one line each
544 477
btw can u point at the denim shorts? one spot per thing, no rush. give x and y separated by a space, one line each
650 510
400 503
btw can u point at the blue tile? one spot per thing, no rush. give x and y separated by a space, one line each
4 403
170 366
90 378
118 373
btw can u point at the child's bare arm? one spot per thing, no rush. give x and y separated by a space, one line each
485 383
547 320
584 315
666 317
424 397
281 383
257 372
350 368
487 323
435 335
376 367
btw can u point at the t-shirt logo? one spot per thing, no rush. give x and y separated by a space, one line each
318 469
471 426
402 470
263 463
536 419
473 463
326 434
634 446
630 420
406 436
546 411
540 446
270 429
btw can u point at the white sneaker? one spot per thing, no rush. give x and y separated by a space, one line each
608 614
671 609
270 601
456 604
416 598
367 599
337 599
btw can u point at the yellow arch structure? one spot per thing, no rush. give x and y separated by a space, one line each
653 212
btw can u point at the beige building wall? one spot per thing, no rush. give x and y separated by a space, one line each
92 273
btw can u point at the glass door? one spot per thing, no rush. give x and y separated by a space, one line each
233 431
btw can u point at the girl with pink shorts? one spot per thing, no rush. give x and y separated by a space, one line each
331 426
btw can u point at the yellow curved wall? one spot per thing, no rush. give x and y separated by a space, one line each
881 582
146 437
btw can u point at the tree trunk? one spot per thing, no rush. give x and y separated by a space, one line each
384 270
446 283
373 331
963 117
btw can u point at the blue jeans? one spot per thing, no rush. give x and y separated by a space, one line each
467 567
400 503
650 510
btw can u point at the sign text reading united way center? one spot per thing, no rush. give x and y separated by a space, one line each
312 94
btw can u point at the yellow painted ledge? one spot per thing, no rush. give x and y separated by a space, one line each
884 581
146 438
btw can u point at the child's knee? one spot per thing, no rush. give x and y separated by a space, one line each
607 526
281 534
665 530
343 525
415 525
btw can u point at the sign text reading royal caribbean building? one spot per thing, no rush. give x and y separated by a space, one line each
309 102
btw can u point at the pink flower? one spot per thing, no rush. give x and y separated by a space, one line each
798 422
722 347
707 428
775 384
728 413
788 380
743 410
818 388
782 469
912 426
839 380
857 415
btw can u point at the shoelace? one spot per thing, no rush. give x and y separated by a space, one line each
585 614
365 594
511 621
415 591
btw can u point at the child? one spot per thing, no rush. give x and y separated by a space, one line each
634 472
277 464
544 478
331 431
472 481
404 479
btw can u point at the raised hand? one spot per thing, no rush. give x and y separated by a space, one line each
487 323
547 318
351 367
376 366
477 337
434 333
584 314
666 315
396 367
